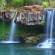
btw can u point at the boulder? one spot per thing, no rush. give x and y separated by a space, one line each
28 8
34 7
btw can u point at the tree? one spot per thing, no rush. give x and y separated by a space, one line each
27 2
17 3
2 4
45 4
37 2
52 3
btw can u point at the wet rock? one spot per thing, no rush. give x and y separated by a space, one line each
20 39
31 40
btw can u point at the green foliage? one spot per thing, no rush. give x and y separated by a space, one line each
45 4
2 4
52 3
17 3
37 1
27 2
49 3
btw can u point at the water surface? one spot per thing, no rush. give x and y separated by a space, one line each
20 49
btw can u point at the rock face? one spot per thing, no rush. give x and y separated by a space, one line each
35 7
32 15
28 8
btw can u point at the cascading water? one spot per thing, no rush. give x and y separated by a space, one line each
13 26
12 31
49 33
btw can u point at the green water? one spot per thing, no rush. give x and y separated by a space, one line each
18 49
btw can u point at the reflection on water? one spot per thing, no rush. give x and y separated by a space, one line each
48 52
11 48
18 49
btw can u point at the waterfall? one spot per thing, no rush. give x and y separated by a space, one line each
49 31
51 27
12 30
13 27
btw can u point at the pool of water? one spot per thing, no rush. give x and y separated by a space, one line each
18 49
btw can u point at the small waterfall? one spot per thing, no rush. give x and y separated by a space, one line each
12 31
49 31
51 27
13 26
